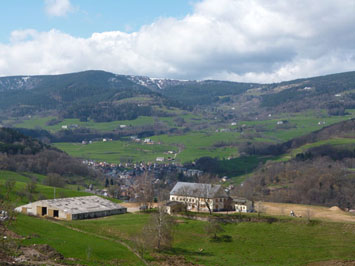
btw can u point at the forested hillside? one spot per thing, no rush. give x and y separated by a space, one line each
24 154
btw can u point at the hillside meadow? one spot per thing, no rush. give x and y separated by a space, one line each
285 241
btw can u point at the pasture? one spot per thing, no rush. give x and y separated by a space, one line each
284 242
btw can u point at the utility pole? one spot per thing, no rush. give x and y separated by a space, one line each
54 193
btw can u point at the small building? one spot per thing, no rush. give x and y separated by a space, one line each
76 208
243 205
123 126
160 159
64 126
196 196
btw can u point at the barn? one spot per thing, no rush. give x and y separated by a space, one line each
75 208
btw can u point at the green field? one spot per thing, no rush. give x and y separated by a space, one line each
37 122
298 125
200 144
87 249
117 151
41 192
41 122
287 242
334 142
22 177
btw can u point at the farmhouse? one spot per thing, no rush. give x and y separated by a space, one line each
200 197
73 208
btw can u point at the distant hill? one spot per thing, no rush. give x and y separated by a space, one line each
90 94
334 92
103 96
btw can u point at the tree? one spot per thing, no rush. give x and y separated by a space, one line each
31 187
159 229
213 227
54 180
9 186
146 189
141 242
207 188
260 208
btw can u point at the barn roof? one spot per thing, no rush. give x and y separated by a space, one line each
198 190
78 205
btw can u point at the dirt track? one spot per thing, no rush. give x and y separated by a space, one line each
315 212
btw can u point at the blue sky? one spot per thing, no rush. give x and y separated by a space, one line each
239 40
88 16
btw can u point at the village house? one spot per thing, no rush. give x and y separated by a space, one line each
72 208
243 205
200 197
160 159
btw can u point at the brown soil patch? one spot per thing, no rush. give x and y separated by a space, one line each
332 263
305 211
335 208
166 260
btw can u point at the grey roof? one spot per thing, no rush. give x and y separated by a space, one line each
198 190
78 205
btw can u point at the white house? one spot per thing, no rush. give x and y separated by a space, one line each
243 205
198 196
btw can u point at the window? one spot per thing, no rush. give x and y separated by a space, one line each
44 211
55 213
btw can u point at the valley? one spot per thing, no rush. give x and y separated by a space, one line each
130 139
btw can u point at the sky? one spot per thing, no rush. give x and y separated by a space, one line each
237 40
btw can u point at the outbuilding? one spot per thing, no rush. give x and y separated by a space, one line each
76 208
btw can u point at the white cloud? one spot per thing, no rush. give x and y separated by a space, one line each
243 40
57 8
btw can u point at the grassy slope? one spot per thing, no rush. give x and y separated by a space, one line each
90 250
116 151
199 144
41 190
335 142
300 124
289 242
40 122
195 145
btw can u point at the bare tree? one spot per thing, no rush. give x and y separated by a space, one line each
9 186
206 191
146 189
159 229
260 208
309 214
114 191
213 227
31 187
141 242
